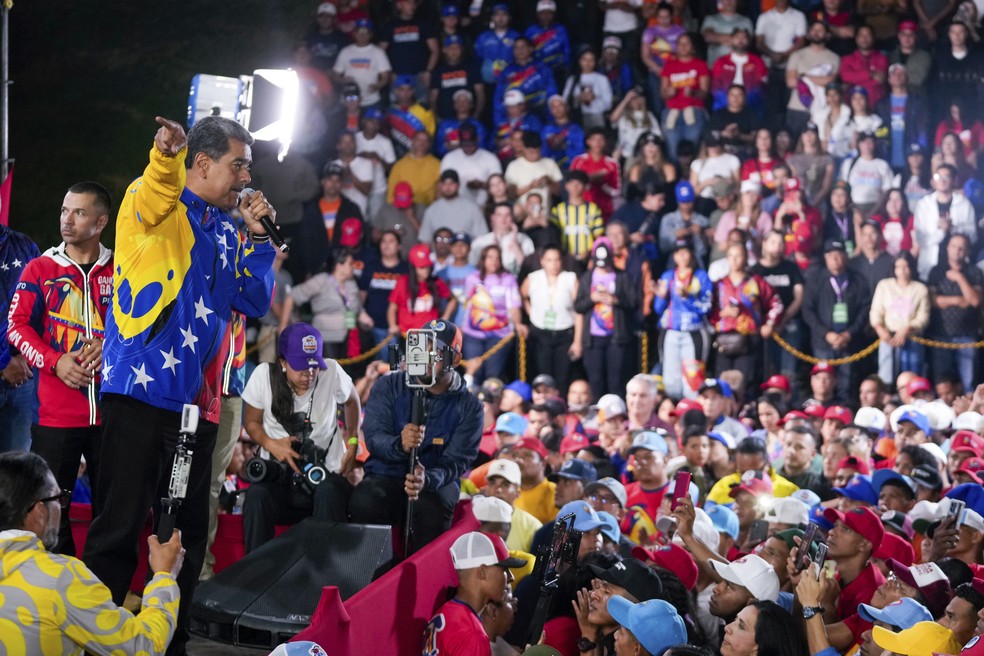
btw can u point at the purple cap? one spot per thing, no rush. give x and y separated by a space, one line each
300 346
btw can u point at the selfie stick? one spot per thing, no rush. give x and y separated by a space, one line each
564 548
180 473
420 360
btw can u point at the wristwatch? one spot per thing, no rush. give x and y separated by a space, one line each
810 611
584 644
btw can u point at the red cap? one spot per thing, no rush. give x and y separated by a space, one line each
686 404
753 482
859 520
894 546
973 467
533 444
574 443
792 183
857 464
815 411
908 26
918 384
402 195
777 381
840 413
793 414
822 368
420 255
674 558
351 232
966 441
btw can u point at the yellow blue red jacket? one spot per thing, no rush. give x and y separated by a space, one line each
52 605
57 305
181 270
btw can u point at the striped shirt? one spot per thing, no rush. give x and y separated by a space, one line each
580 225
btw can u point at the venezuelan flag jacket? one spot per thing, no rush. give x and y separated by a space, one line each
57 305
181 269
52 605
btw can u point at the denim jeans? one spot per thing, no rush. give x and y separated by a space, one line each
378 335
493 367
18 410
675 348
960 360
681 131
892 361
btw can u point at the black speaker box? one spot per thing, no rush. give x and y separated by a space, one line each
269 596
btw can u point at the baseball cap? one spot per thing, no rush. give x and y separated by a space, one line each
903 613
638 580
754 482
923 514
685 405
807 497
724 519
611 406
750 186
965 441
610 484
787 511
404 81
500 6
933 449
916 149
609 527
611 42
363 24
672 557
333 169
475 549
420 255
776 381
402 195
895 547
546 5
788 536
815 411
513 97
301 647
751 572
918 384
373 112
461 237
885 476
832 245
449 174
921 639
929 579
822 367
452 39
512 423
351 232
327 8
654 623
859 465
816 516
649 440
451 10
969 420
839 413
870 419
724 438
917 419
899 523
860 520
859 488
522 388
491 509
544 379
793 415
585 517
908 26
684 192
974 468
926 476
574 442
507 469
792 183
533 444
301 347
576 470
715 385
541 650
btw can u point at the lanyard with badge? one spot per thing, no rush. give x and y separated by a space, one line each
843 226
839 315
349 314
550 315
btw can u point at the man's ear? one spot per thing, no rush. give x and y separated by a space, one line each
34 521
455 359
201 164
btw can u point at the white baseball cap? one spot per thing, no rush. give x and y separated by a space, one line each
940 415
750 186
546 5
611 405
300 648
491 509
513 97
935 450
753 573
507 469
972 519
327 8
704 530
475 549
871 419
788 511
969 420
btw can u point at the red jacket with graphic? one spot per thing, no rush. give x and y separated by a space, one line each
54 308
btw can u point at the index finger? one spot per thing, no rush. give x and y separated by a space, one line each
167 123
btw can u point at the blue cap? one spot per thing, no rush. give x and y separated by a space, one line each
654 623
363 22
522 388
453 40
404 81
299 648
512 423
807 497
585 517
724 438
577 470
918 419
373 112
859 488
610 528
970 493
684 192
903 613
500 6
882 476
724 519
817 517
649 440
450 10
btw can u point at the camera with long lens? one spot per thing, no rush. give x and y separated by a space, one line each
260 470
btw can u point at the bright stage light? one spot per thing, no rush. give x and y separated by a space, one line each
270 109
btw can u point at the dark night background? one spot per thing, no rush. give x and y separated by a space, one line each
89 77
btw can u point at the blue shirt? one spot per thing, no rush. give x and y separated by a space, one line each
551 45
495 53
16 250
897 127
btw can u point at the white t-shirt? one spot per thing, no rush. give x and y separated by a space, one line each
522 172
332 387
619 20
869 179
780 30
364 170
378 144
363 64
480 165
725 166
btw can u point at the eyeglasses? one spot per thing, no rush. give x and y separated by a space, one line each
350 98
443 240
604 501
937 176
64 498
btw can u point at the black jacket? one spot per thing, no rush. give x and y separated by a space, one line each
624 309
818 305
309 245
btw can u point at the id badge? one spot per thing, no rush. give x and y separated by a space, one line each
349 320
849 245
549 320
840 313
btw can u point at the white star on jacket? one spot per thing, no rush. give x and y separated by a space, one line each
222 253
106 369
201 311
169 360
17 263
142 377
189 338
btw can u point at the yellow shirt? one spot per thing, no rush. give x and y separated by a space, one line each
539 501
421 173
521 530
521 572
720 493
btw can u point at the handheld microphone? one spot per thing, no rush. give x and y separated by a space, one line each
269 226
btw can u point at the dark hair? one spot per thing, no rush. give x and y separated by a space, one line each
337 256
776 401
800 429
415 285
532 139
686 148
956 570
694 418
675 594
692 431
951 168
399 239
103 203
23 479
777 633
918 456
688 650
911 261
481 261
949 378
967 592
594 132
212 135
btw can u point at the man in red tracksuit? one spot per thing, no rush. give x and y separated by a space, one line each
56 321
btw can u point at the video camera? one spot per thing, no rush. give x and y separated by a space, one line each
563 548
259 470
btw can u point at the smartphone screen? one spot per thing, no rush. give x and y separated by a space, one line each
820 558
803 557
681 487
956 511
758 532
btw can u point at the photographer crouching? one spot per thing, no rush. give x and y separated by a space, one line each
291 413
446 444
